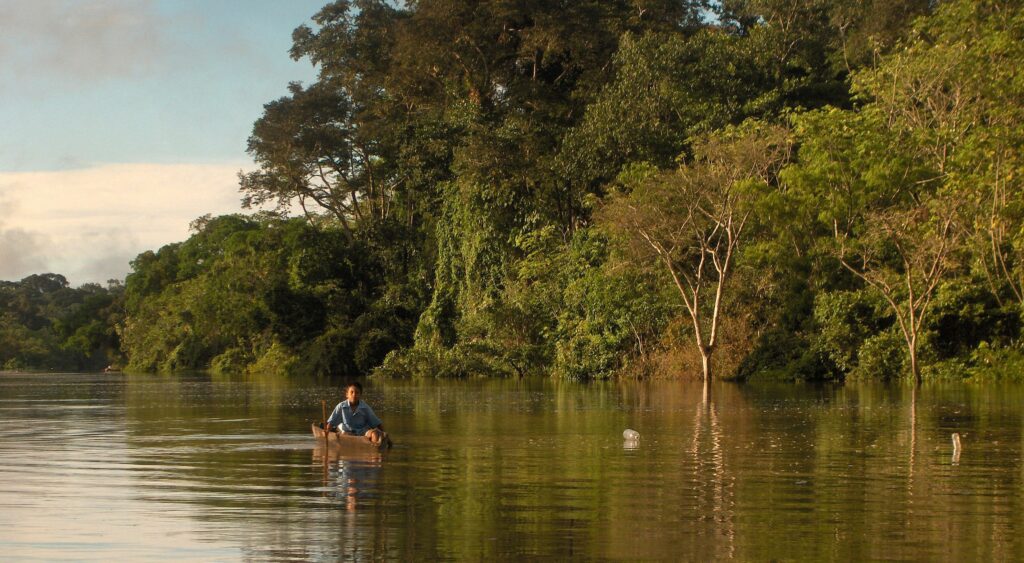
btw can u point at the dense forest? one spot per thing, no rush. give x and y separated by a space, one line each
45 324
809 189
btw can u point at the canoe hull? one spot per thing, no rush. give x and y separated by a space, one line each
339 440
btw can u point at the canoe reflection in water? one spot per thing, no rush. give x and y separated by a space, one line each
354 472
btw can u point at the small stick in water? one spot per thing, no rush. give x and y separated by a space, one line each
956 448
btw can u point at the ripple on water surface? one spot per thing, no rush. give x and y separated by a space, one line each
195 467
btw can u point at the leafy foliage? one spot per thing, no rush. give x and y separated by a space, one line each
264 293
46 324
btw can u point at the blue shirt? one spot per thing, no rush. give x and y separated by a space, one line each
356 421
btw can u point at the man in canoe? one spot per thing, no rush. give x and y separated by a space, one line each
355 417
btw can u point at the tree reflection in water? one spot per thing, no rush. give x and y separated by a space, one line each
716 498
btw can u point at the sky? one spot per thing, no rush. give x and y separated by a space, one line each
121 121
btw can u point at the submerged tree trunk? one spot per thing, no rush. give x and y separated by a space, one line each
914 368
705 357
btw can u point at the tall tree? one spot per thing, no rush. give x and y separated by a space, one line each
881 174
693 221
311 150
330 147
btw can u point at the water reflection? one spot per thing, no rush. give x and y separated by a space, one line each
348 474
715 482
499 469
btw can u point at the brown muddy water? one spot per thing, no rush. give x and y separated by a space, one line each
129 467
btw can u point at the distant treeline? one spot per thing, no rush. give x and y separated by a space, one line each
45 324
814 189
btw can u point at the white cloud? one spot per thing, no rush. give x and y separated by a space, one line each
87 224
20 252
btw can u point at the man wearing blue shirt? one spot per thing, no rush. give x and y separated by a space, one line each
355 417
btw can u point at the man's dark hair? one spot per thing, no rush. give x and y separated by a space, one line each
355 384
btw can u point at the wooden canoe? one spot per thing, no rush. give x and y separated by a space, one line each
337 439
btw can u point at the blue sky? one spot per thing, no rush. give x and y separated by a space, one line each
116 110
86 82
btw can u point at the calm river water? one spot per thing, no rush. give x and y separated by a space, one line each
105 467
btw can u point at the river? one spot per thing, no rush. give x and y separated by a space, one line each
113 466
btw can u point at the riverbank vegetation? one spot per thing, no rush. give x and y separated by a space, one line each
752 189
